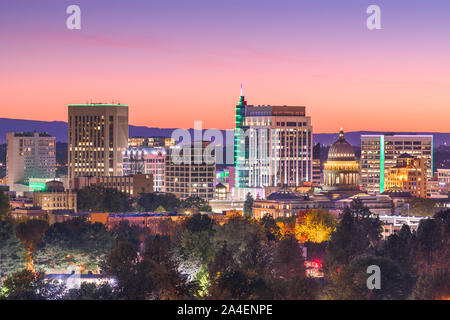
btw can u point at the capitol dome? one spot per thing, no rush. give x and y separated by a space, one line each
341 171
341 150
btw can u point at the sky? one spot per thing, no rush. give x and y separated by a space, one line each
177 61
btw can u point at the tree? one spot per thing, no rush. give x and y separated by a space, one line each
356 233
75 242
151 276
270 226
198 203
432 243
223 262
400 247
151 201
315 226
194 249
27 285
5 207
248 205
97 198
12 251
126 232
288 261
433 286
350 283
239 285
238 232
92 291
30 233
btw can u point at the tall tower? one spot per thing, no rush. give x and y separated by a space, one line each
29 155
280 146
380 152
241 145
98 134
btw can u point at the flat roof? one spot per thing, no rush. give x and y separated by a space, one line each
98 105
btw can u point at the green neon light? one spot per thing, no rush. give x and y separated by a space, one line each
381 164
36 186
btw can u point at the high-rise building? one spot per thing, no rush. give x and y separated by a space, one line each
241 143
29 155
152 142
317 164
380 152
280 145
409 174
98 134
190 174
146 161
443 176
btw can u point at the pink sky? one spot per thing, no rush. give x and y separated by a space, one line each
395 79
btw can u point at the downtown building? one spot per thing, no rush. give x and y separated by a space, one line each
188 172
98 136
143 160
408 175
30 156
380 152
273 146
151 142
132 185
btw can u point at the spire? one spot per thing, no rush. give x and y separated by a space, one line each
242 101
341 133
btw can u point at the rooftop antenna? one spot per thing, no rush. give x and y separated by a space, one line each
241 91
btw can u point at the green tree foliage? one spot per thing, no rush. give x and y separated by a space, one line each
238 232
75 242
194 250
350 283
433 286
26 285
151 201
289 280
248 205
288 261
151 276
92 291
357 233
223 262
198 203
97 198
432 249
270 226
126 232
239 285
400 247
30 233
5 207
12 251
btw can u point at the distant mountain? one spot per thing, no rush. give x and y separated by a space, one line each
59 130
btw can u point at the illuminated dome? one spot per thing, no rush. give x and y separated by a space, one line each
54 186
341 150
341 171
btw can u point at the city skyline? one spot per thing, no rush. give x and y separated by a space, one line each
160 56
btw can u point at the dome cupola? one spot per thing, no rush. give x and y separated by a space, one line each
341 150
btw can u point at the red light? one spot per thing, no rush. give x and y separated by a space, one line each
317 263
